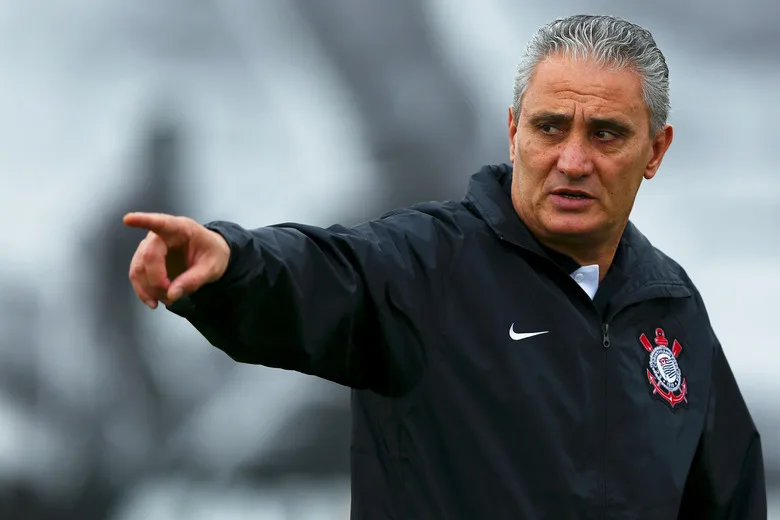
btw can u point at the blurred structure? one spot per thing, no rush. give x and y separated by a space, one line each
416 113
310 111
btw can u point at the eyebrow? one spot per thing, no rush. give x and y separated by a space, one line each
596 122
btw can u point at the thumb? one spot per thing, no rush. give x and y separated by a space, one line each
188 282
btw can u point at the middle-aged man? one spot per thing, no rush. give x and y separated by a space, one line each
522 353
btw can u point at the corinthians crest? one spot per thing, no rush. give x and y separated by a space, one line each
664 374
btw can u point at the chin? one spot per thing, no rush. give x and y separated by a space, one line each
572 226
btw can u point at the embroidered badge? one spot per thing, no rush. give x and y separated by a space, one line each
664 374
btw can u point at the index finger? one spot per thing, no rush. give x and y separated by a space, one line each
159 223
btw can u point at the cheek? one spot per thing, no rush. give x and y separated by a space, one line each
531 177
621 183
534 160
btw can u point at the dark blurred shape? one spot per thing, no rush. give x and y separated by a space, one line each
130 393
421 125
24 503
116 307
20 316
134 395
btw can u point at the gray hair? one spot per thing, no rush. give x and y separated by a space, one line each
608 41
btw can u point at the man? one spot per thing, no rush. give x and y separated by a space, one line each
523 353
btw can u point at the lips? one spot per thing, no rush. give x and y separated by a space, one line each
572 194
571 200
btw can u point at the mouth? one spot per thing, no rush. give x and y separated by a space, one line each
572 194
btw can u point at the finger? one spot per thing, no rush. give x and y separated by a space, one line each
160 223
137 280
188 282
154 288
156 275
154 262
145 298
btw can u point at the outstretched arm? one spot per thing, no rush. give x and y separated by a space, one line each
344 304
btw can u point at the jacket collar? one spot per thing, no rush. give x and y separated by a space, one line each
641 263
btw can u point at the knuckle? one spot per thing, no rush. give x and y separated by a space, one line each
148 255
185 225
153 241
136 271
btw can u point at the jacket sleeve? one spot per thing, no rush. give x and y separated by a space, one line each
344 304
726 480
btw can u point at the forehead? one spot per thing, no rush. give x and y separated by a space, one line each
562 84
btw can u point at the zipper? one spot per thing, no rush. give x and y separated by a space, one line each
606 342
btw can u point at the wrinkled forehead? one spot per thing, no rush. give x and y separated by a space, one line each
577 87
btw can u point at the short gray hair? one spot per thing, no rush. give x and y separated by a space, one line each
608 41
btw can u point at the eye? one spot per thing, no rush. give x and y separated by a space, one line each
548 129
606 135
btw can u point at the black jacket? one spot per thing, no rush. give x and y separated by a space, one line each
626 407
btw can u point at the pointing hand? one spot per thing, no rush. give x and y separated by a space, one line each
177 257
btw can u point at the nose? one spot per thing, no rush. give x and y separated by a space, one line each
575 158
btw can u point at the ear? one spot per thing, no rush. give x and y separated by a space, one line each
661 142
512 127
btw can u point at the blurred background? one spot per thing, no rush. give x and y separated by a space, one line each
265 111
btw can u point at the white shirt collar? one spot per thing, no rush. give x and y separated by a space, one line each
587 277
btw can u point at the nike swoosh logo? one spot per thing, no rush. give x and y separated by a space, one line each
517 336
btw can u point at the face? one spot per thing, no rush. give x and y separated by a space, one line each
581 146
